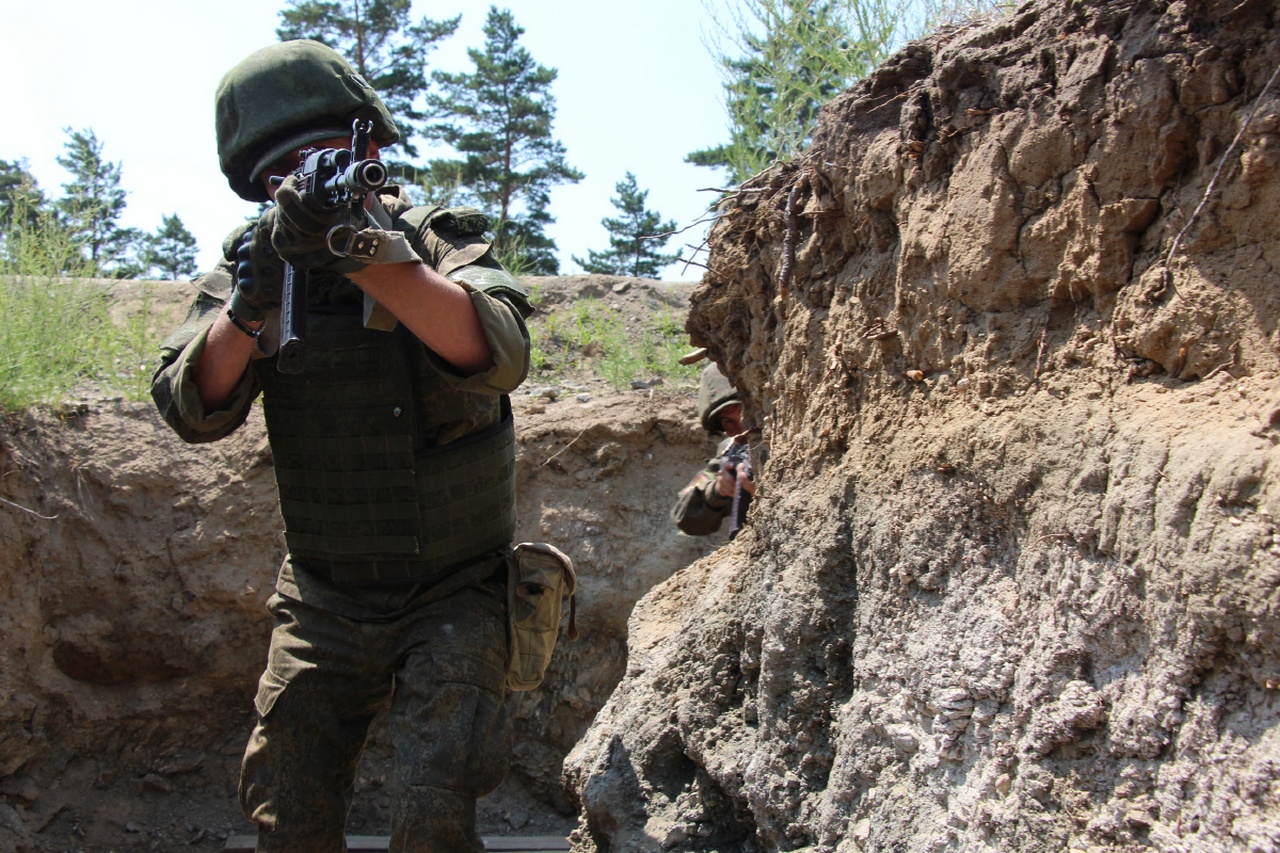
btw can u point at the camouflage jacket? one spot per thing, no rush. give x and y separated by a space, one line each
455 251
700 509
451 242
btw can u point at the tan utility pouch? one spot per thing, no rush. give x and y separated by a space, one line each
540 578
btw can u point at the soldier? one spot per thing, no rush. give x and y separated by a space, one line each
394 459
709 498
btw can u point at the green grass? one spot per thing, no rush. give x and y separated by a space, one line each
57 335
58 339
589 337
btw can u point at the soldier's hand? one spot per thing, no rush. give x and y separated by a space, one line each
726 481
306 232
730 478
259 272
302 225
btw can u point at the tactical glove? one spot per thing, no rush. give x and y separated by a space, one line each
259 272
303 226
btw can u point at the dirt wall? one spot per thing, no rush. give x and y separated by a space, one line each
1011 582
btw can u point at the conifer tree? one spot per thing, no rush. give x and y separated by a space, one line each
170 251
786 58
92 204
792 56
526 249
498 119
634 243
20 195
380 42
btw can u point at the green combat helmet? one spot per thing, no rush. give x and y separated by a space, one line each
284 97
714 395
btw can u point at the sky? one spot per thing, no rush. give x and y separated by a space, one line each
637 90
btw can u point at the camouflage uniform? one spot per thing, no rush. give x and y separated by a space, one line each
371 611
700 509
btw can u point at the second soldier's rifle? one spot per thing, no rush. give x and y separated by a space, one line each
329 178
738 455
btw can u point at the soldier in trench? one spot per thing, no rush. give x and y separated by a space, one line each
394 458
726 482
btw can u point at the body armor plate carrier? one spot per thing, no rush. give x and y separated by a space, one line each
367 496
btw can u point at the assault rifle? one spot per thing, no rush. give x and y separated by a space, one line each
329 178
738 458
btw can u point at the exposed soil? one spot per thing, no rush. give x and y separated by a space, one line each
1012 581
135 571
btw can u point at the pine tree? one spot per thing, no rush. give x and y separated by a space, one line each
170 251
633 239
92 204
792 56
33 240
795 56
382 45
21 199
498 119
525 248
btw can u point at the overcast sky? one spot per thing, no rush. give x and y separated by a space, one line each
637 90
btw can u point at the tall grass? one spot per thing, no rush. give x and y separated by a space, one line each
57 336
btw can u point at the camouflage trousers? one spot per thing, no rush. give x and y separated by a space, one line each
441 670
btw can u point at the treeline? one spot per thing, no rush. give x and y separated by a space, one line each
495 121
780 61
79 233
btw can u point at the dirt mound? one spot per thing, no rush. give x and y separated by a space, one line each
135 570
1011 582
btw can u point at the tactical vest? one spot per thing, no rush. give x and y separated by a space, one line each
375 484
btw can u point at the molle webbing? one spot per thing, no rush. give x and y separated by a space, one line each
465 507
365 499
341 514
